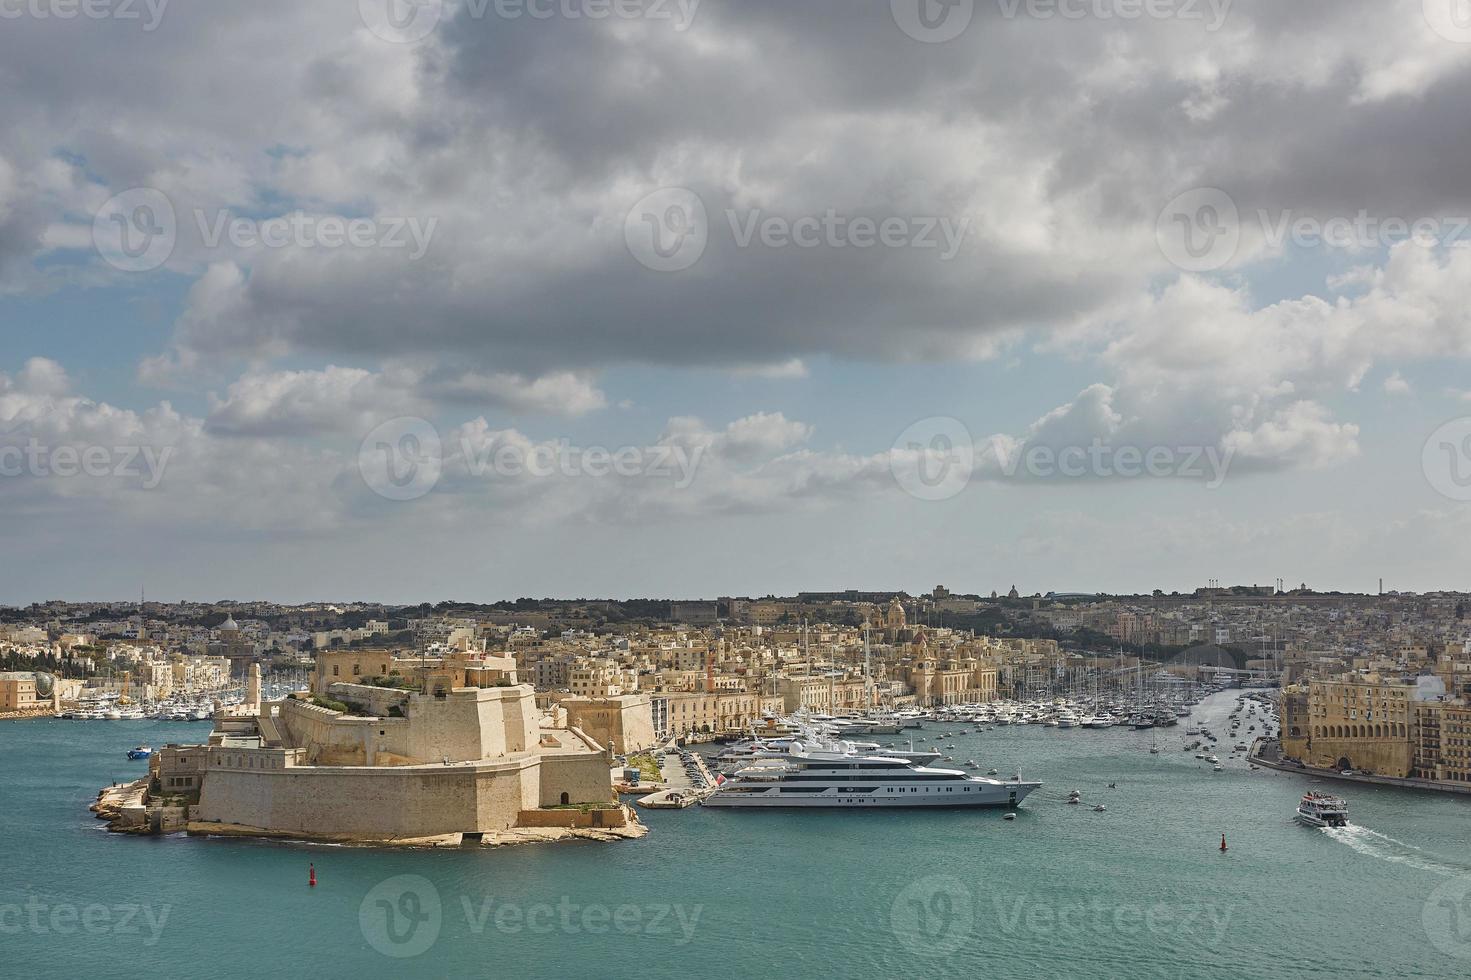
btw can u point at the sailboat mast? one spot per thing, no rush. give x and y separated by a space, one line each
867 681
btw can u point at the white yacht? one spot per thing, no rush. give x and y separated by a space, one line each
754 749
1322 810
1066 719
836 775
778 748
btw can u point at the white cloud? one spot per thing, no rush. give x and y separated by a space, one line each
292 403
561 393
789 370
1396 384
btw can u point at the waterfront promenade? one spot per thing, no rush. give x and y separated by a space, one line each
1268 753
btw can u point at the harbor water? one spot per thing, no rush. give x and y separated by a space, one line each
1141 889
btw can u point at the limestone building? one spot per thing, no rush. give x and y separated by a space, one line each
18 691
453 759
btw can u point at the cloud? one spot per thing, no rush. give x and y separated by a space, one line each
294 403
1301 434
1396 384
531 173
793 369
280 452
560 393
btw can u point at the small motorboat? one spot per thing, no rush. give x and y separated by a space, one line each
140 752
1218 768
1099 808
1009 816
993 772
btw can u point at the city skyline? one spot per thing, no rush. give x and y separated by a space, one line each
314 300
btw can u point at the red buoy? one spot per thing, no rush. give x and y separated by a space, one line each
1223 842
311 880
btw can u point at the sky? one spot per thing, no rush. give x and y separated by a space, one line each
478 299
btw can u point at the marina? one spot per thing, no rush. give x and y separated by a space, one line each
1363 888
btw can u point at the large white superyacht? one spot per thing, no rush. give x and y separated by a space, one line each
834 775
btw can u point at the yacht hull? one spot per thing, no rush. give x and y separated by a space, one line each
1003 795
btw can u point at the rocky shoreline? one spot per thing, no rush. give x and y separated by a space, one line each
515 835
47 712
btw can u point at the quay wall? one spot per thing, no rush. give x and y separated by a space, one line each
1257 757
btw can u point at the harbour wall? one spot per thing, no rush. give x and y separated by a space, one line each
1257 758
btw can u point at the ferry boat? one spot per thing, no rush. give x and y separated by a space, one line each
835 775
1322 810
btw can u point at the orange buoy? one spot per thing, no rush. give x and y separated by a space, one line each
311 880
1223 842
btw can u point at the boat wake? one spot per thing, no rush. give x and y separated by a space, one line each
1373 844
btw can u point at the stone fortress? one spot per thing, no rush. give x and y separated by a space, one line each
432 750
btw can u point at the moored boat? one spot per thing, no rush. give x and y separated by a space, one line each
834 775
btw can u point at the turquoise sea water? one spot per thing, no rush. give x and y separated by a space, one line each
1140 890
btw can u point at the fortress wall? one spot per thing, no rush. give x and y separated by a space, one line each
502 796
448 727
624 724
342 740
521 718
376 701
584 777
372 804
